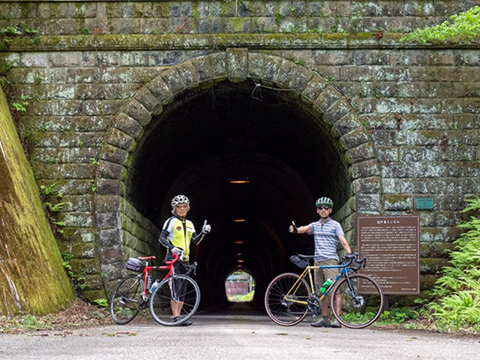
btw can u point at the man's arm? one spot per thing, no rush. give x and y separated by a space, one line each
299 230
344 243
163 239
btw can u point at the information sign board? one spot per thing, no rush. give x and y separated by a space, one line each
391 246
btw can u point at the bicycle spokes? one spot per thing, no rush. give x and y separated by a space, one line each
126 299
357 301
286 299
175 298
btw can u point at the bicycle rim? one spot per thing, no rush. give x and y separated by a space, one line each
181 292
284 309
360 308
127 297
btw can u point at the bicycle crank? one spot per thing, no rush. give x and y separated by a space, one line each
314 305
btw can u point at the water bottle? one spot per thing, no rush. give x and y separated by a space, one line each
149 282
154 286
326 285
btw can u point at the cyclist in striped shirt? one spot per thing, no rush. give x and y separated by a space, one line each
326 235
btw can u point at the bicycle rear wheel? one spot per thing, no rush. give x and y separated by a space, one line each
126 299
357 301
286 299
180 292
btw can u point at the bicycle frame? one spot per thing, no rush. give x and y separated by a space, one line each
169 266
308 270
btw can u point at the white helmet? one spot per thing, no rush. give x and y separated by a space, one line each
179 199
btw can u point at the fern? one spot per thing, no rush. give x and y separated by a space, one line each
460 29
457 292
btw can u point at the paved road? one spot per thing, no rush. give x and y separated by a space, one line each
234 337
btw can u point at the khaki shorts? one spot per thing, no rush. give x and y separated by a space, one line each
321 275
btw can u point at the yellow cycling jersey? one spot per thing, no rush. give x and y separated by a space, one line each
179 233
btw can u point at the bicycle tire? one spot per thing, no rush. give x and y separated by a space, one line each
126 299
166 293
360 311
283 311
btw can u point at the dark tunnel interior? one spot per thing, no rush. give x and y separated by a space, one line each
207 139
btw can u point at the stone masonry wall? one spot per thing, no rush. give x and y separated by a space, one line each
420 104
228 16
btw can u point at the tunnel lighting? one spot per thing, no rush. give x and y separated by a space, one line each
240 261
238 242
239 254
240 180
239 220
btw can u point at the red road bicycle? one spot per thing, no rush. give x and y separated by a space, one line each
175 291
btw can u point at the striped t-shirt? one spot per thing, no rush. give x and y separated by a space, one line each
325 237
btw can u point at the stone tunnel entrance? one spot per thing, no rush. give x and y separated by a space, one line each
251 159
250 164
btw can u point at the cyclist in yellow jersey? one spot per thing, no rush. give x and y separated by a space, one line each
176 235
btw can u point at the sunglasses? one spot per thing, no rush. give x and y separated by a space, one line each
323 207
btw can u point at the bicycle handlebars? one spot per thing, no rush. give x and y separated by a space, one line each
354 258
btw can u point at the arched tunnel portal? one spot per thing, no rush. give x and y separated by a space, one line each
250 162
250 158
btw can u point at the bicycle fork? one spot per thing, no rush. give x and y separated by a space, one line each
357 300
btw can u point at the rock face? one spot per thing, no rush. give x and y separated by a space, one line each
32 277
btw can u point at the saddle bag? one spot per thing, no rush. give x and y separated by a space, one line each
301 263
135 265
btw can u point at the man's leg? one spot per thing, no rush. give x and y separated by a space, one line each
319 280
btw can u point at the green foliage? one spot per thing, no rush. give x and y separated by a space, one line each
457 292
21 103
93 186
28 30
242 298
55 208
78 281
66 257
462 28
101 302
9 32
47 190
356 317
278 18
7 66
398 315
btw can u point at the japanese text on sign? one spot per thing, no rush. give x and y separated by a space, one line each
391 245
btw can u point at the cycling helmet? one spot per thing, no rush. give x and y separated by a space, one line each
324 201
180 199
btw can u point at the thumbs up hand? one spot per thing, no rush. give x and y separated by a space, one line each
206 228
293 228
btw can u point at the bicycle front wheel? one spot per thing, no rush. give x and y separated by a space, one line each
175 300
126 299
286 299
357 301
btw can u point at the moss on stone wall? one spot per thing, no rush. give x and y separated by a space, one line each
31 272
